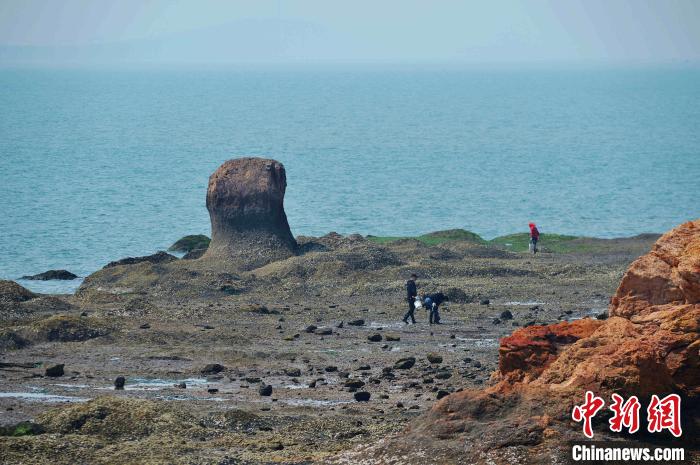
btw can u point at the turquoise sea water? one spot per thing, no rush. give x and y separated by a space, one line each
99 164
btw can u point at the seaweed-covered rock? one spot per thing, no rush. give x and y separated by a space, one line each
66 328
64 275
117 418
190 243
156 258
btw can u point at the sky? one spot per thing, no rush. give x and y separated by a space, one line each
371 31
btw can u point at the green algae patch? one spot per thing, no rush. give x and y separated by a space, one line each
24 428
434 238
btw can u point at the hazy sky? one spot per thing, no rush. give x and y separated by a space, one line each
105 31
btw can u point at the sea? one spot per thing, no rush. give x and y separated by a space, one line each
99 164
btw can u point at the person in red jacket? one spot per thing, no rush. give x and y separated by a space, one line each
534 237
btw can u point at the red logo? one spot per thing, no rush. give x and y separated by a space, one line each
587 411
665 414
625 414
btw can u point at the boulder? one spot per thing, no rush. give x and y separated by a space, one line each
265 390
54 371
362 396
245 199
212 369
190 243
157 258
51 275
405 363
119 383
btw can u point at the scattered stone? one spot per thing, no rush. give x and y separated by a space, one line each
331 368
354 384
452 336
310 329
441 393
55 371
496 321
212 369
119 383
375 337
252 379
212 390
294 372
506 315
181 385
364 368
339 325
51 275
362 396
265 390
443 375
405 363
434 358
359 322
477 364
392 338
312 384
484 302
324 331
602 316
145 326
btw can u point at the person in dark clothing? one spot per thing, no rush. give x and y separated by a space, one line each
411 294
534 237
432 304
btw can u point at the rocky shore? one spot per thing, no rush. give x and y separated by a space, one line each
265 348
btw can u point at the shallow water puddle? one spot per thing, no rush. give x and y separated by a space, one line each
479 342
42 397
517 303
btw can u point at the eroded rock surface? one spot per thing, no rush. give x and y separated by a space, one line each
245 199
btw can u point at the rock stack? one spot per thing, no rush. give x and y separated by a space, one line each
249 227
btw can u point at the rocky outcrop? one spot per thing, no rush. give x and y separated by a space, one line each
10 291
156 258
52 275
245 199
649 345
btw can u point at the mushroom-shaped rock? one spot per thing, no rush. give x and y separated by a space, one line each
245 199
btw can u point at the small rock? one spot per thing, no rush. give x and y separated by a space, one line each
405 363
374 337
310 329
52 275
484 302
339 325
294 372
55 371
312 384
364 368
212 368
362 396
324 331
496 321
443 375
181 385
392 337
477 364
331 368
83 313
506 315
434 358
354 384
359 322
119 383
212 390
602 316
441 394
145 326
265 390
452 336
